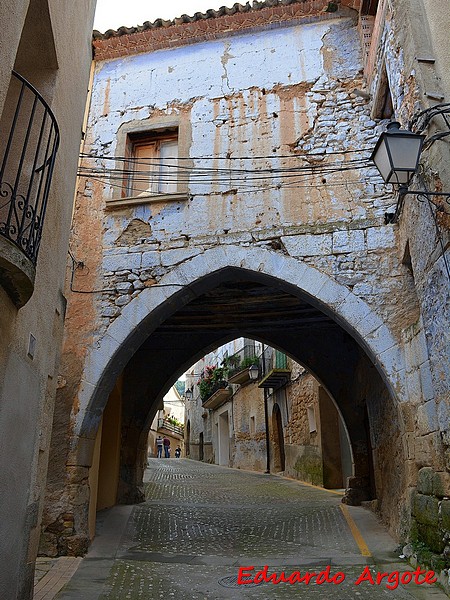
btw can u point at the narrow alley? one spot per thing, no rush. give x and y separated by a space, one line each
202 522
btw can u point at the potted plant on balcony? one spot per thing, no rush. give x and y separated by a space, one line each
211 380
241 374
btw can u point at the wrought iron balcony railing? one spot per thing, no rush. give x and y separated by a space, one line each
30 137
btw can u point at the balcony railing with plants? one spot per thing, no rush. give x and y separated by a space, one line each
171 424
211 380
30 136
238 364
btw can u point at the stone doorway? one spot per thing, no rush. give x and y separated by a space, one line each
224 439
201 452
188 438
278 440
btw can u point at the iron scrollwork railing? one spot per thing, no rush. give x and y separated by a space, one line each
31 138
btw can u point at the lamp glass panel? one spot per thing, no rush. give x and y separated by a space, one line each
405 150
381 160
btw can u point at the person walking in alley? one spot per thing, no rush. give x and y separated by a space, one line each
166 443
159 446
177 452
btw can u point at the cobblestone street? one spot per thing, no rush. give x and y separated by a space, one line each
202 522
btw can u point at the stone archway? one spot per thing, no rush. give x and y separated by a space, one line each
116 345
367 339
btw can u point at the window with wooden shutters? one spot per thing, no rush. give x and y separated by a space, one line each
152 164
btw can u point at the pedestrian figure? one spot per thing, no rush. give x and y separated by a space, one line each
159 446
177 452
166 443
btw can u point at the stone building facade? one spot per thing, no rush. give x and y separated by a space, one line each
42 102
294 414
263 218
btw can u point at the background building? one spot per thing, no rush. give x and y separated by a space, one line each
169 422
233 420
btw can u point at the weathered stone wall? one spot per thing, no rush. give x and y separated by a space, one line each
34 41
336 224
408 33
302 447
249 447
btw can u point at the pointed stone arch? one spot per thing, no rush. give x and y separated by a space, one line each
359 342
108 355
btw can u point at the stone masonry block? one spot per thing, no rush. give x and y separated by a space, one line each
393 362
121 262
427 417
354 310
426 509
176 256
380 238
443 415
414 386
348 241
235 238
333 294
419 348
425 481
441 484
426 381
408 445
150 259
308 245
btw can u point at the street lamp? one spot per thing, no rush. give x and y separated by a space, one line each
253 372
188 394
396 156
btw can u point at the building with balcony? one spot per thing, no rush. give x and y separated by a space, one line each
257 409
42 101
168 422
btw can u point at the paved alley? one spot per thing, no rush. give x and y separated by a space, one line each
201 523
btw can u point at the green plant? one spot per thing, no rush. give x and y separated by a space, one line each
205 387
211 378
231 362
175 422
248 362
219 374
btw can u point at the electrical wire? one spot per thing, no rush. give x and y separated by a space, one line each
76 264
248 180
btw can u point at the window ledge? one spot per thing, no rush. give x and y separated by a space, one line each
144 199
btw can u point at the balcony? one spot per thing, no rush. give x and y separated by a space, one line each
276 372
30 137
166 426
239 366
275 379
219 394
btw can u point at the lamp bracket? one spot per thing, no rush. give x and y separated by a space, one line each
404 191
421 121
